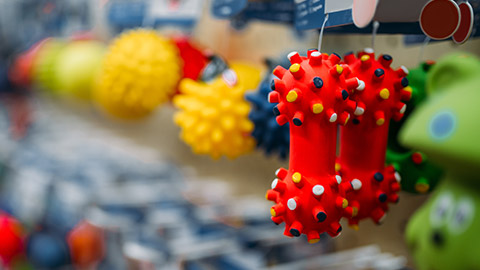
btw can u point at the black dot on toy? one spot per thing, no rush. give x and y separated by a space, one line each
295 232
378 176
339 229
321 216
339 57
344 94
272 85
382 197
387 57
297 122
356 121
275 223
276 111
379 72
405 82
318 82
348 53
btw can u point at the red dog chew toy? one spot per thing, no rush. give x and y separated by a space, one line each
312 95
363 141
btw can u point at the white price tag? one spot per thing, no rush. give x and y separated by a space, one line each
337 5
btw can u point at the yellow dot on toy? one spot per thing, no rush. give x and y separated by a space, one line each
218 115
294 68
139 72
296 177
422 187
354 211
408 89
339 69
365 57
384 93
313 241
380 122
292 96
338 167
344 203
354 227
317 108
272 212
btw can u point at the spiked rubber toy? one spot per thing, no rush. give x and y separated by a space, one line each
312 96
363 141
270 137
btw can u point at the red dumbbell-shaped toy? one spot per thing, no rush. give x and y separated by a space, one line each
312 95
363 141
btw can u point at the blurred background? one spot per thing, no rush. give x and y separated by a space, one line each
96 163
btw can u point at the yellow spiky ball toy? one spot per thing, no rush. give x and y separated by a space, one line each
139 72
214 116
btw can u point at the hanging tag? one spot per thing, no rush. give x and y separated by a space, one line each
466 23
363 12
310 14
224 9
440 19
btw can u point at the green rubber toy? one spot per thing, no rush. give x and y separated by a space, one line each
452 68
417 173
443 234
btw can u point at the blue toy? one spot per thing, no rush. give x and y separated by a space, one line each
47 250
270 136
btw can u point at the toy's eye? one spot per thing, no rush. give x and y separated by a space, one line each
463 216
443 125
442 209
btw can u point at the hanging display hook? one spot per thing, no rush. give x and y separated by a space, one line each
422 49
375 27
320 37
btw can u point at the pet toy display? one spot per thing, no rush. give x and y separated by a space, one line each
363 142
441 234
214 116
312 96
356 131
139 72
